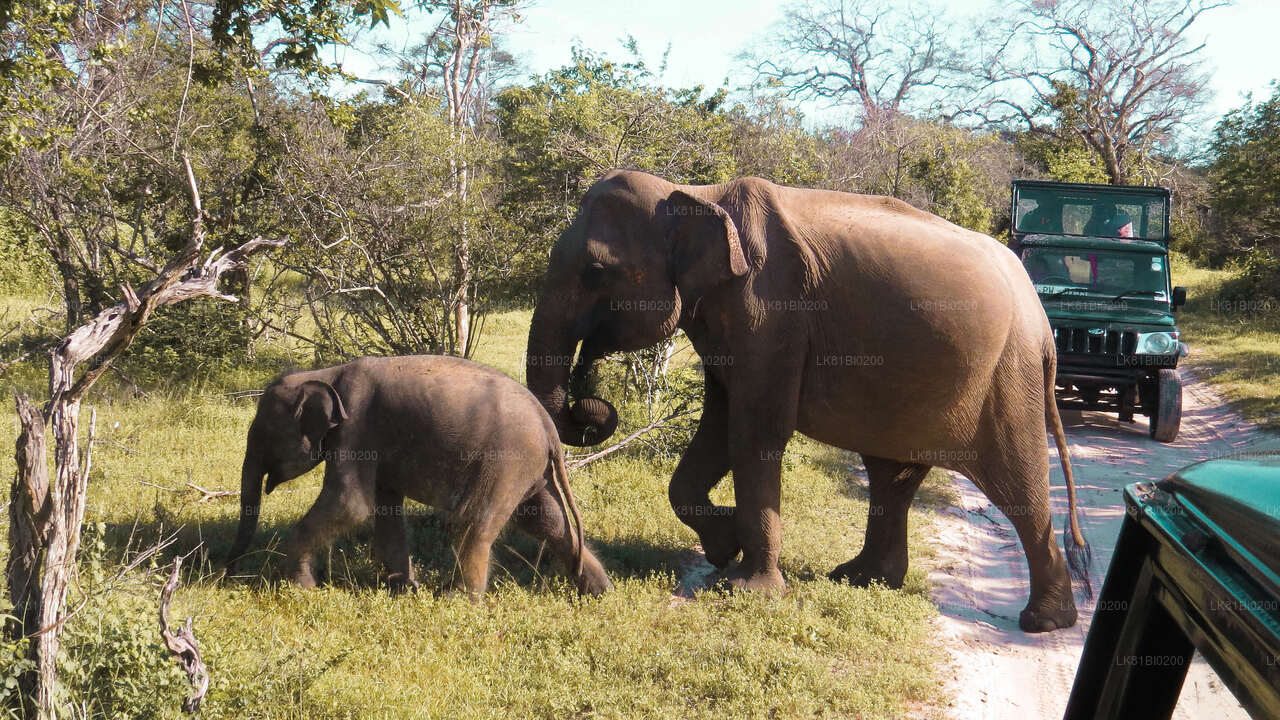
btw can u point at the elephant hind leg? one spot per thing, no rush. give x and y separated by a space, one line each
883 557
479 519
1017 481
473 542
542 518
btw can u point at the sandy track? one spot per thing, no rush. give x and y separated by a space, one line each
980 575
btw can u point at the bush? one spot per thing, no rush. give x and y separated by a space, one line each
192 339
13 663
1259 278
113 664
24 267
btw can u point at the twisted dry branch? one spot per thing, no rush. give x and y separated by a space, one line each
182 645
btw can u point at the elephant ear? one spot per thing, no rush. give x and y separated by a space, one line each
705 248
319 410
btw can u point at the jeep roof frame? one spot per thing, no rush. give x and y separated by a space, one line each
1149 190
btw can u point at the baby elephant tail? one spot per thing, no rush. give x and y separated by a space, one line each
560 480
1079 554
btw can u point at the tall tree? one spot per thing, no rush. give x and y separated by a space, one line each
869 54
100 114
1121 76
461 48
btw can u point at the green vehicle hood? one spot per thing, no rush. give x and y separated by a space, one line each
1239 500
1101 309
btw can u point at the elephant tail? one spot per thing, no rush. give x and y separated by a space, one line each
1079 554
573 520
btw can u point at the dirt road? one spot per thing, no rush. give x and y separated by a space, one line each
980 580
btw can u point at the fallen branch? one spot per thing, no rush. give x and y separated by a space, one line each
580 461
211 494
182 645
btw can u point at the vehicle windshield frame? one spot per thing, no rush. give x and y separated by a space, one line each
1082 203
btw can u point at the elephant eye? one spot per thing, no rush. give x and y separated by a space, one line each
594 275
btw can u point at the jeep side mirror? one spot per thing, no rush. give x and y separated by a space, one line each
1179 297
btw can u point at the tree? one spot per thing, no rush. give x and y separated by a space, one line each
866 53
460 47
104 97
574 124
768 140
380 220
45 518
1244 182
1121 76
955 173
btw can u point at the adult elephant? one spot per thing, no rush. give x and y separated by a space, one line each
859 321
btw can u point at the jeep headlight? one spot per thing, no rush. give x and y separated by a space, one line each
1157 343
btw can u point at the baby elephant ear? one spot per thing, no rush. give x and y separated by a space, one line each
319 400
705 248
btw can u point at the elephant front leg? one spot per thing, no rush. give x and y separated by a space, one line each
761 427
343 503
757 482
704 464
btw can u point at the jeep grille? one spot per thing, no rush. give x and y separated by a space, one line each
1080 341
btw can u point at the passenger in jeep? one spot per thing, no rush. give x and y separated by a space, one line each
1108 221
1045 218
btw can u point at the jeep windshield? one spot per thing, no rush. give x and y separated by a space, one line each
1090 212
1116 275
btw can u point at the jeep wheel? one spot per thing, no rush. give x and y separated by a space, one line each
1167 415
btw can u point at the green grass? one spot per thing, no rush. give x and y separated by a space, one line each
532 649
1234 339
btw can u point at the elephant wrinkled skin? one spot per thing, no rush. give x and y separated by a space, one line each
859 321
446 432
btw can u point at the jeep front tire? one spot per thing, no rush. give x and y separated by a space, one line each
1166 416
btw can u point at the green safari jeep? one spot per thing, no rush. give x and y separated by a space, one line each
1099 258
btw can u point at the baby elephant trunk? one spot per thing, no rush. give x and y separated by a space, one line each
250 504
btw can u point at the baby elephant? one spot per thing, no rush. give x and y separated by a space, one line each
446 432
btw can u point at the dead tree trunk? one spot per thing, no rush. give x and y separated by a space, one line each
44 533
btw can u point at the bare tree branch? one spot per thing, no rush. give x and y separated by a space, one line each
864 52
1119 77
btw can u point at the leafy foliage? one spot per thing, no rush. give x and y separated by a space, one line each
1245 187
114 664
574 124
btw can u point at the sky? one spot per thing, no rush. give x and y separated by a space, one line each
1241 45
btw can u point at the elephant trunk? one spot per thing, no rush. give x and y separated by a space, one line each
250 503
548 362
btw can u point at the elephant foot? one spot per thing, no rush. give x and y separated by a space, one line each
768 582
593 581
302 576
720 543
397 584
1048 618
861 573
